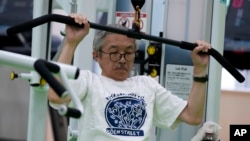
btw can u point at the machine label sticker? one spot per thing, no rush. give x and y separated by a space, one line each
126 19
125 114
179 79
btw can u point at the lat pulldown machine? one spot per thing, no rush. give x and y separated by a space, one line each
40 65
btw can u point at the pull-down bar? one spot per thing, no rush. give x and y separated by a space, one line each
137 35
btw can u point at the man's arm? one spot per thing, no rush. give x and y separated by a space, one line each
193 112
74 36
66 57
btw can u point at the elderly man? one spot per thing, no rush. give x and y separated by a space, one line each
119 107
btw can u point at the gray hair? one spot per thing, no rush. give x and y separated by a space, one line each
101 34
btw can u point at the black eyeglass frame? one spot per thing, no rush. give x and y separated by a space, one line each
125 55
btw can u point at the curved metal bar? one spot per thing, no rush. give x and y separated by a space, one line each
137 35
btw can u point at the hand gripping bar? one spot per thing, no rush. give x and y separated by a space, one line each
44 68
137 35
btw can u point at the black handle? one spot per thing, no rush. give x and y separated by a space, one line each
73 113
45 68
138 35
69 112
39 21
217 56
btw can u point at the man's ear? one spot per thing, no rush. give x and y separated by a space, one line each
95 55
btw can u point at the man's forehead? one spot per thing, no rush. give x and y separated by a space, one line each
117 47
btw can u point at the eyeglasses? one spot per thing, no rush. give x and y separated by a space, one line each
116 56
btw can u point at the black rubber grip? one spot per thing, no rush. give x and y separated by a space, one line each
71 112
45 68
217 56
129 33
39 21
52 67
77 73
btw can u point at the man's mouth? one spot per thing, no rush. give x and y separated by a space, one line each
121 69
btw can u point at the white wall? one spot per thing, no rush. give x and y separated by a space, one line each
14 100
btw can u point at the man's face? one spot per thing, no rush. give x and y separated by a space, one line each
117 69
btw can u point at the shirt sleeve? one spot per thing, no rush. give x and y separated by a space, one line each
167 108
80 85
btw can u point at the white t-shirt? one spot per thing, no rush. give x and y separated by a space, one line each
124 110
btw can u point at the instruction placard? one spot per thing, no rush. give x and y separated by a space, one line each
179 79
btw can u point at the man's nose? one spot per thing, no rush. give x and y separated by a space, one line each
122 58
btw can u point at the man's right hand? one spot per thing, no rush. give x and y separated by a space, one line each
74 35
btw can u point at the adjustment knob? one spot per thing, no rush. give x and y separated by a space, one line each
13 75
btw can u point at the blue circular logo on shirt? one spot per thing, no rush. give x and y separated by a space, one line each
125 112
